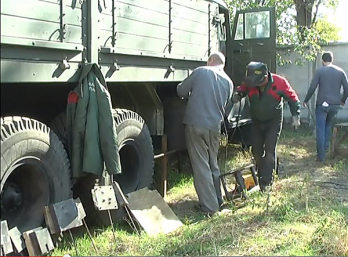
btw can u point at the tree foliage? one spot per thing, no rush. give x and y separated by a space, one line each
327 31
298 24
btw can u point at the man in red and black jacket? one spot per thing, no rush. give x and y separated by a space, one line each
266 92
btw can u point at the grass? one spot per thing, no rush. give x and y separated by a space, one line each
305 214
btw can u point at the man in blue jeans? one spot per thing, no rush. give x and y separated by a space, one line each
330 78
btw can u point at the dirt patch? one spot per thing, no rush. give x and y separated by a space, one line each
298 154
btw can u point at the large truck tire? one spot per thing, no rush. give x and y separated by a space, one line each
35 172
136 155
58 125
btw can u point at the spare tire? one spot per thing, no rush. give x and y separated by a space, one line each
136 155
35 171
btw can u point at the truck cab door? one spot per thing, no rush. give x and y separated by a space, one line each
253 39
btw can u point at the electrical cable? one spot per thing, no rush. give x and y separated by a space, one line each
233 133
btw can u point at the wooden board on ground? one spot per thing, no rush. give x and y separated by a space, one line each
38 241
64 215
337 142
152 212
5 240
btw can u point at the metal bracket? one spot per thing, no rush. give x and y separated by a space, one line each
169 71
115 66
64 65
115 34
17 239
104 198
216 20
64 215
38 242
5 243
64 30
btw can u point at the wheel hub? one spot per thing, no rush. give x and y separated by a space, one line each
130 163
11 197
25 193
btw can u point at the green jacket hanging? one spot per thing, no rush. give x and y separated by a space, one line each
92 137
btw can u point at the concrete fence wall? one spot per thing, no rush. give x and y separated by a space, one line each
300 76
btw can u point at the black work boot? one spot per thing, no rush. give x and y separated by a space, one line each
201 209
265 187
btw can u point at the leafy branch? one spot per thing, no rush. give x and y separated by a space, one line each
298 24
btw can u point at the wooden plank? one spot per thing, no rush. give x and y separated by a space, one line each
28 53
27 239
135 42
5 239
191 14
75 4
38 241
201 6
161 6
17 239
153 45
134 27
142 74
20 72
344 124
34 10
190 49
190 38
152 212
190 26
139 28
144 15
336 142
34 29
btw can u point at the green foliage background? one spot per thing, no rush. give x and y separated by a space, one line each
298 24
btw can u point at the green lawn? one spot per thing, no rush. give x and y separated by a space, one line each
305 214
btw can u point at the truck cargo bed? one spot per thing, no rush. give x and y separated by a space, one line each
132 40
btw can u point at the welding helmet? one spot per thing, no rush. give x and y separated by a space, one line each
255 74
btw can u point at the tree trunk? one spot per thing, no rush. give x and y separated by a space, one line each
304 15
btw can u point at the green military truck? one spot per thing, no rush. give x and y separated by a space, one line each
144 48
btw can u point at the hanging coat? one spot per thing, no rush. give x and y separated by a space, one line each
92 138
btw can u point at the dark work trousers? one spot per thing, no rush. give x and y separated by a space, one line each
265 139
203 146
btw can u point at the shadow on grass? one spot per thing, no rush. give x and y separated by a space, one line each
80 236
247 229
297 153
262 228
212 237
185 210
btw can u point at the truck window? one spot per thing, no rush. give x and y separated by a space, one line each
222 28
240 28
257 25
253 39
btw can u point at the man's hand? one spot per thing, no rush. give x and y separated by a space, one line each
236 98
342 103
305 105
296 122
